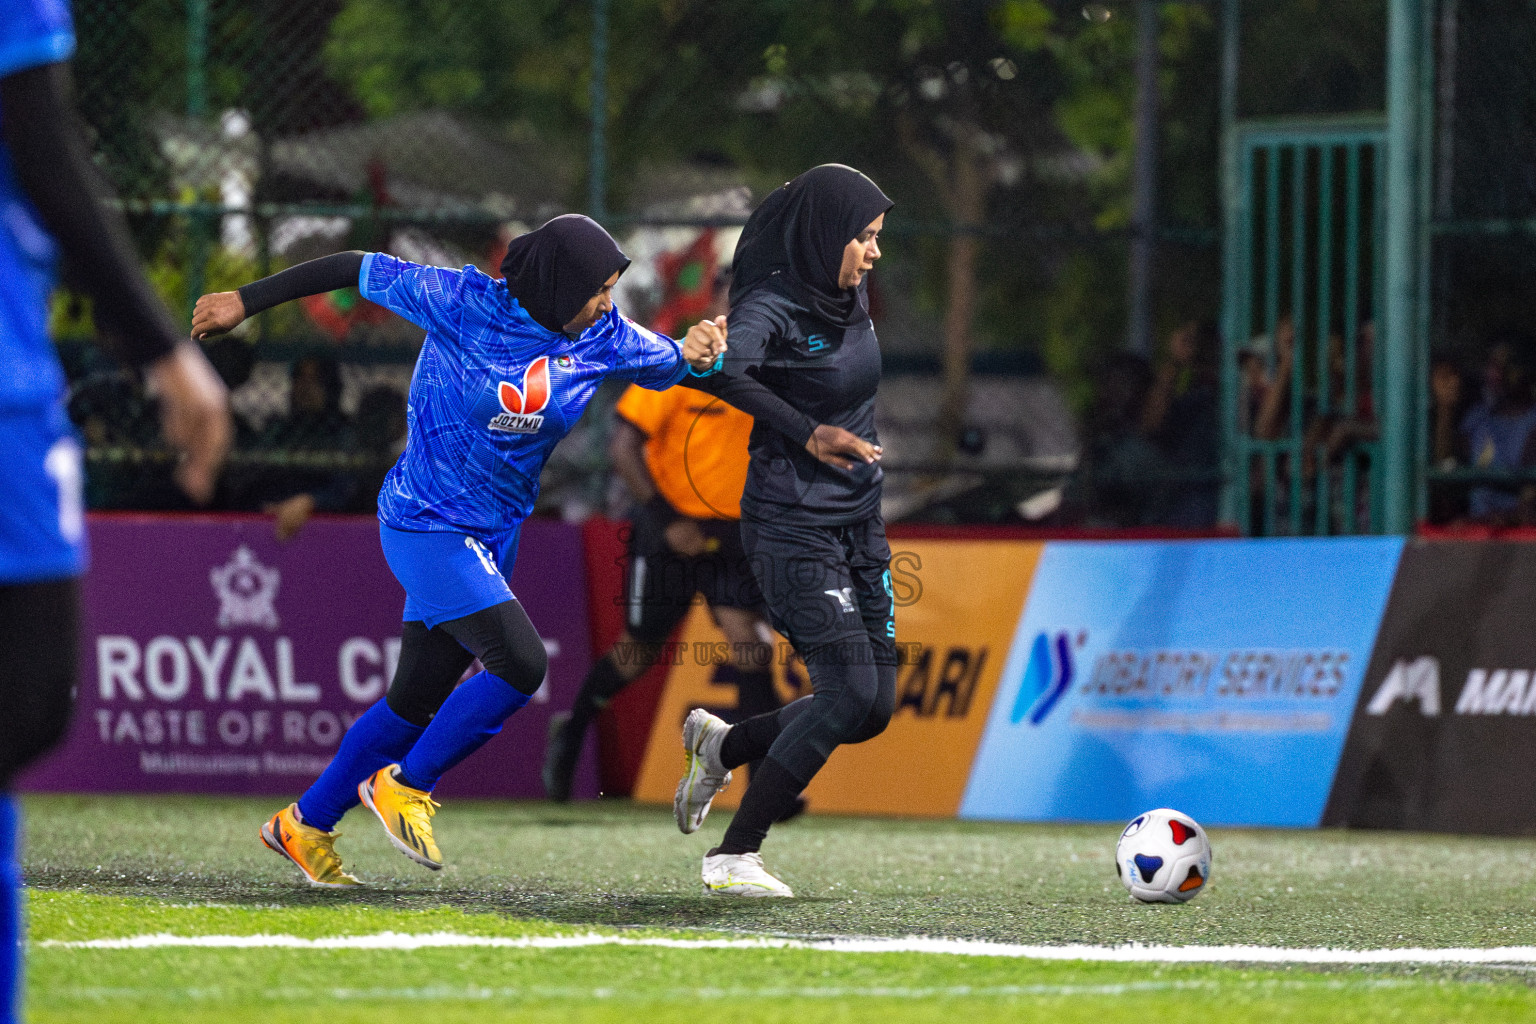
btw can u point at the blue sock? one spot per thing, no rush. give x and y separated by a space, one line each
470 716
378 738
10 910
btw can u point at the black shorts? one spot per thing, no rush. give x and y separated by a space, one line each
662 584
39 644
826 586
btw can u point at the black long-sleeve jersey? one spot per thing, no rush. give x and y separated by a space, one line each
793 371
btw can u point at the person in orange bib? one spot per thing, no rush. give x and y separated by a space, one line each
683 456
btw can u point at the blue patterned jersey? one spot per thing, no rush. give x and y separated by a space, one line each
32 33
492 394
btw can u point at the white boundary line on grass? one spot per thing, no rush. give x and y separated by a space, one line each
1131 953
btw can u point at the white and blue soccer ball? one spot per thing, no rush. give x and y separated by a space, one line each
1163 857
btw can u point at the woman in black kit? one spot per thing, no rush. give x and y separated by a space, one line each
803 359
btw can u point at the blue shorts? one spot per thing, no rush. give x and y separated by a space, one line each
447 576
42 519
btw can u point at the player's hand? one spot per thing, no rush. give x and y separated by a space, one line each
704 343
841 448
216 313
194 415
291 515
685 538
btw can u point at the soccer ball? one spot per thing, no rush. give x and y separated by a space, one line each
1163 857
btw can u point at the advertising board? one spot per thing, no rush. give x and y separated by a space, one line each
956 603
1217 677
216 660
1444 736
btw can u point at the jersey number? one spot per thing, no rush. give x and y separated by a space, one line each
482 554
63 465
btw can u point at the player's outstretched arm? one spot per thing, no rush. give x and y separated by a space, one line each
52 168
736 385
704 344
218 312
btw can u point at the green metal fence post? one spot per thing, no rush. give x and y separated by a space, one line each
597 170
1424 312
198 224
1234 262
1400 319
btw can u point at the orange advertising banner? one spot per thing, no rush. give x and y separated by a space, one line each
957 606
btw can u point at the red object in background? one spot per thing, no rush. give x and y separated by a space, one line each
1474 531
624 727
938 531
688 284
336 313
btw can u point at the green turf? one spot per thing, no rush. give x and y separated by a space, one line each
128 866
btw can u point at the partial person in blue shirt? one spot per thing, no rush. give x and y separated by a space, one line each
505 371
52 206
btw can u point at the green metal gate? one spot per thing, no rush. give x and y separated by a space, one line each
1303 289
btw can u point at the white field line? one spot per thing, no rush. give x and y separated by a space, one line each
1131 953
841 992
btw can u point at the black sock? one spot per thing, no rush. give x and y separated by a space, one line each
602 684
755 696
749 740
773 794
754 692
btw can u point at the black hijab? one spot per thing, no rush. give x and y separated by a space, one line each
553 271
797 238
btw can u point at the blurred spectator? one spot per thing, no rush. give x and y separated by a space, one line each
1252 383
1123 478
380 430
1447 392
1180 416
117 423
1347 423
314 419
314 432
1272 410
1496 432
1448 401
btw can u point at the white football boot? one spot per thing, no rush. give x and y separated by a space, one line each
703 774
730 874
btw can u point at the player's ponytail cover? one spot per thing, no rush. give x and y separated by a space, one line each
553 271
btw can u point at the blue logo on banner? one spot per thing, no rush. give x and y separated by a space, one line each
1045 679
1218 677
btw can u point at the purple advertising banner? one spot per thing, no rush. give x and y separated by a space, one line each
216 660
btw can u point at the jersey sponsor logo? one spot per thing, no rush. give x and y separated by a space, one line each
844 597
521 407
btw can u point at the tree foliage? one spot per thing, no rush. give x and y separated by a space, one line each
1007 121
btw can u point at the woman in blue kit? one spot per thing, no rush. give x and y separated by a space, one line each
505 371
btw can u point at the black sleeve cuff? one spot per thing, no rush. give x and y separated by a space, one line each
55 173
326 274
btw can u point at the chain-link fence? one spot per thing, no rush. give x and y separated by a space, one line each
1306 293
247 135
1480 406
